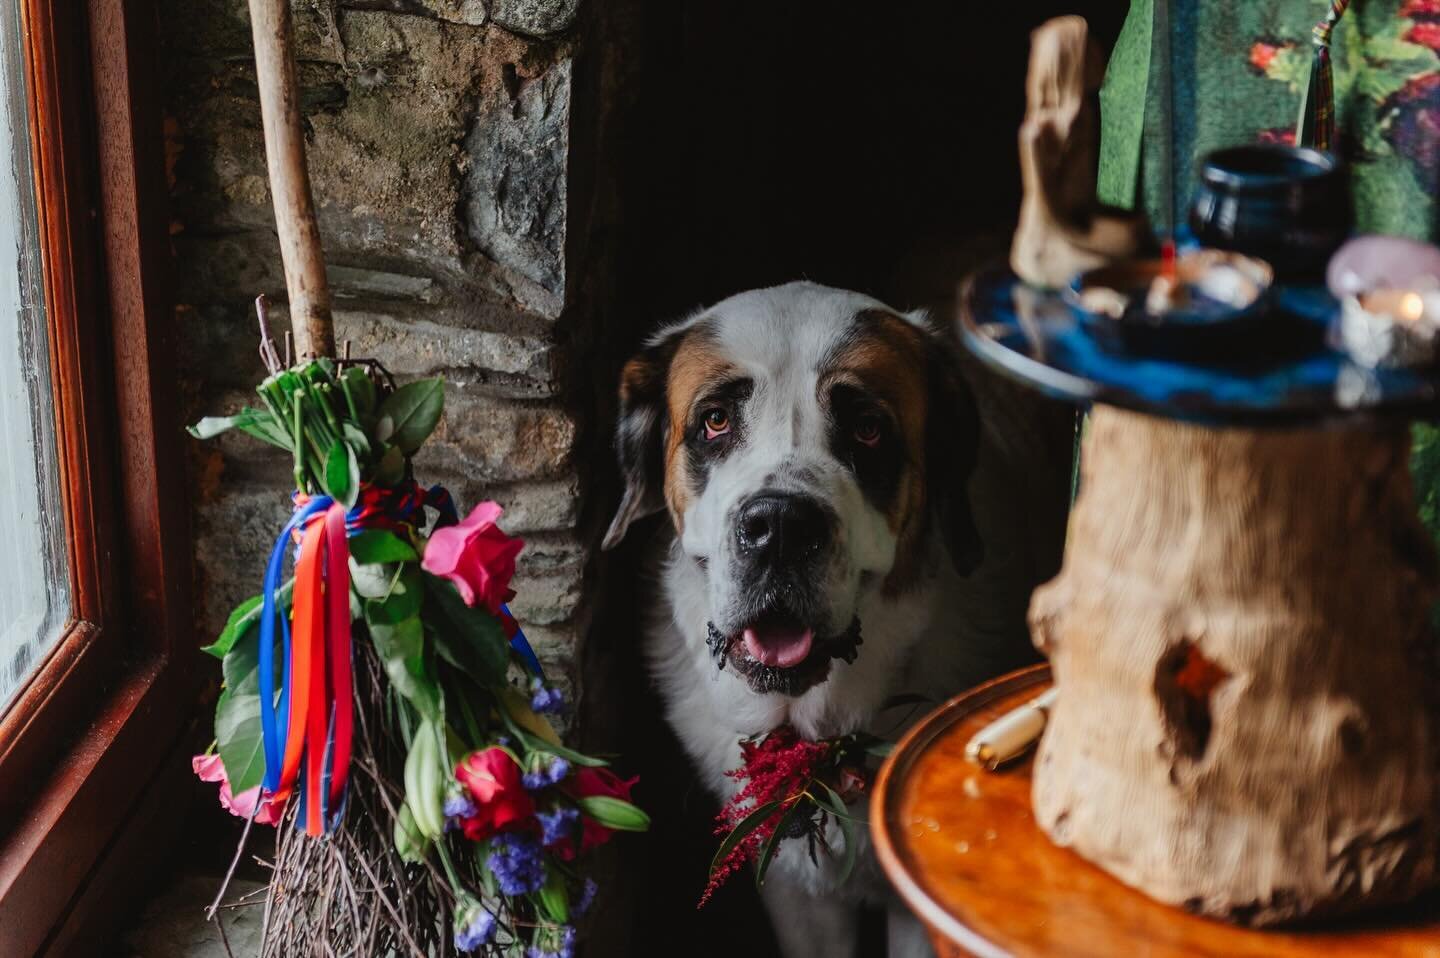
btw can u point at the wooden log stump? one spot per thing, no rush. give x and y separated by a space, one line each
1248 723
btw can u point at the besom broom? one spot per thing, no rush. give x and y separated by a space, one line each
380 703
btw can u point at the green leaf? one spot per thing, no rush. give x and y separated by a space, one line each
534 743
261 425
362 391
475 642
880 749
391 468
410 413
835 804
614 813
400 601
245 615
782 828
355 437
237 733
211 426
401 648
255 422
342 474
370 546
553 900
747 825
409 843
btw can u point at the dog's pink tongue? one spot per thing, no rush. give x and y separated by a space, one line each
778 646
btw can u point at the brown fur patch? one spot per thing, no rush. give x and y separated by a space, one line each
696 366
886 356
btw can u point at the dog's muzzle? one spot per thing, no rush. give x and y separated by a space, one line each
792 679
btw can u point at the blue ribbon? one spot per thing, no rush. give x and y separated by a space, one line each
522 645
273 737
273 734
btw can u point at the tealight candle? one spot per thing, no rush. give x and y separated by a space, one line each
1391 327
1389 292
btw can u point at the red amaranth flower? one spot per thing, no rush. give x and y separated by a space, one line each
1261 54
1427 34
778 768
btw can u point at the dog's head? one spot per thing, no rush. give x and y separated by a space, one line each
811 446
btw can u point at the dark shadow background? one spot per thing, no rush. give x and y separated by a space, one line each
869 146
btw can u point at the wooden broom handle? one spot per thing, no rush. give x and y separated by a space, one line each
299 233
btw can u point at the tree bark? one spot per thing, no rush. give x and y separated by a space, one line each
300 248
1248 723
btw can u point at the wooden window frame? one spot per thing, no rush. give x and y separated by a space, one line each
88 749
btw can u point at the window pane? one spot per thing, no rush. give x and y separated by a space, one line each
34 577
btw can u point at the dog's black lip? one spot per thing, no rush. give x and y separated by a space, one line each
789 681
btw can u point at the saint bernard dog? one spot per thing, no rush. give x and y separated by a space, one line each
812 448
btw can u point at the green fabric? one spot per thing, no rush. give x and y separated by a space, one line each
1122 114
1239 71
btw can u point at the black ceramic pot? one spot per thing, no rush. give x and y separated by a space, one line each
1287 205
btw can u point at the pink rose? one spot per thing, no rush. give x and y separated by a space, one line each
211 769
501 803
476 556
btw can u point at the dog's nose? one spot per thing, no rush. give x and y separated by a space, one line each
781 528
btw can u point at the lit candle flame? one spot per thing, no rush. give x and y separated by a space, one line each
1412 307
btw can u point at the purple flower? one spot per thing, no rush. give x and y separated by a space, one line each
587 896
546 775
459 806
546 700
474 928
517 863
564 947
558 825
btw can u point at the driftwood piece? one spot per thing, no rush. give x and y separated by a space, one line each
300 249
1248 722
1063 229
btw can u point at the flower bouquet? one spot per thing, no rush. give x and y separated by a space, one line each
793 788
383 699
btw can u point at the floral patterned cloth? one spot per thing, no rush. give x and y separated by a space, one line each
1239 70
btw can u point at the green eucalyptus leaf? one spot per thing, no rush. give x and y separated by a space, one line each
238 736
747 825
614 813
772 844
401 648
471 639
410 413
829 799
370 546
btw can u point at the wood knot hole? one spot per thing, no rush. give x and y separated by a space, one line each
1185 680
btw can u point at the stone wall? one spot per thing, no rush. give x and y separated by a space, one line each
440 146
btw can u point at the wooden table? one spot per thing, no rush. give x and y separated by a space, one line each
962 848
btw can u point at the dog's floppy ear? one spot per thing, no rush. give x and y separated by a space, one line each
952 439
640 436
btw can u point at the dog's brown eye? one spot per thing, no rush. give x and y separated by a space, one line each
867 429
717 423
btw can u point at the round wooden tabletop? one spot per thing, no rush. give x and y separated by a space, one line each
960 845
